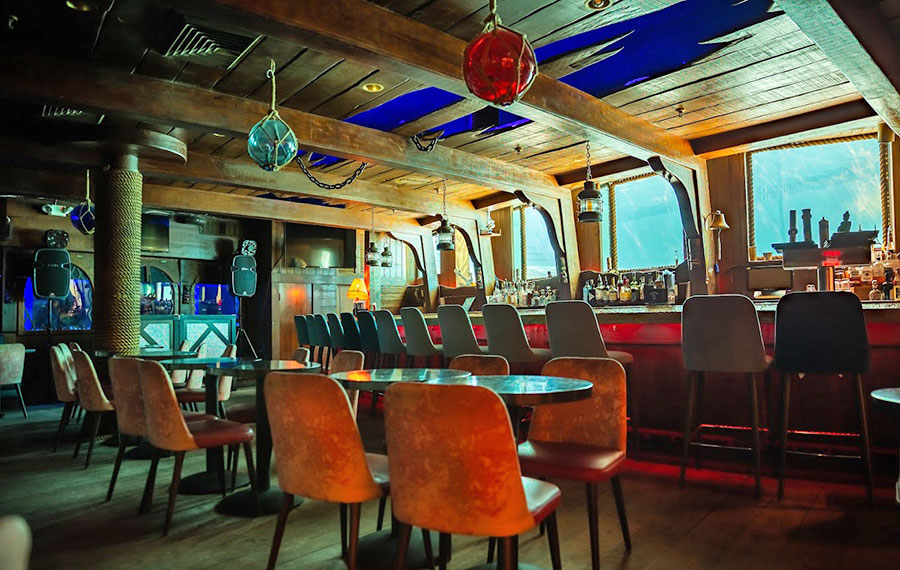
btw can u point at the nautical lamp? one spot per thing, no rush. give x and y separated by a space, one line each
590 208
83 216
445 230
499 64
373 257
387 258
271 142
716 223
358 293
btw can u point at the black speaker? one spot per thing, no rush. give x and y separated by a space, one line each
52 273
243 275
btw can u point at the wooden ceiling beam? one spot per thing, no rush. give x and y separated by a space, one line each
855 38
376 36
34 77
67 186
600 170
210 169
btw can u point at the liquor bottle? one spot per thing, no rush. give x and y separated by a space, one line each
875 294
604 293
584 291
613 292
625 291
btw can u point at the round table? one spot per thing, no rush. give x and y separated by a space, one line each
267 501
888 399
152 354
380 379
205 482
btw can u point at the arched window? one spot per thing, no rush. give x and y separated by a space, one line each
71 313
540 259
157 292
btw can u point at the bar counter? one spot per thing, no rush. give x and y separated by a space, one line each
652 333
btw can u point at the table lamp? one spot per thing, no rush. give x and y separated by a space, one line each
358 293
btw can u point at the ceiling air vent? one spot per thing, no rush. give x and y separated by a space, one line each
202 44
59 113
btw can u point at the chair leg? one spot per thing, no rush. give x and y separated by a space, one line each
63 422
698 406
632 402
444 549
233 453
507 553
382 503
115 473
492 546
21 400
688 421
287 503
616 483
429 548
78 443
251 470
785 407
353 539
147 499
865 451
173 490
343 510
95 427
402 546
593 527
553 540
220 471
754 415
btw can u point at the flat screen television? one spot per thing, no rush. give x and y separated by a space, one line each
319 246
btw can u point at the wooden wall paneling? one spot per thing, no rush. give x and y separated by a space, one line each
727 192
293 299
503 244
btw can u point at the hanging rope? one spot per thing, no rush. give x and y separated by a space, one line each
819 142
751 209
524 243
613 239
884 153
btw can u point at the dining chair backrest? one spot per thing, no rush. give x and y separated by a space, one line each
126 389
317 445
347 360
481 364
66 352
301 354
12 363
469 483
821 332
352 340
457 334
368 331
313 329
388 334
73 346
195 377
336 330
15 543
418 340
180 376
166 427
598 421
506 333
90 393
720 333
226 383
63 376
323 334
573 330
302 330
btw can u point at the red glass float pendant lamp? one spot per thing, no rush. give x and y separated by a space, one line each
499 64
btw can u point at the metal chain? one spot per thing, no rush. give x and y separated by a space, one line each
587 148
444 186
431 142
324 186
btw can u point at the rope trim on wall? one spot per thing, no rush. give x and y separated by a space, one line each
613 231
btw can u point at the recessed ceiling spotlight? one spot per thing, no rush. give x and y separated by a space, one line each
373 87
597 4
80 5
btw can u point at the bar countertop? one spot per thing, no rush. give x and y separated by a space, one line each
875 311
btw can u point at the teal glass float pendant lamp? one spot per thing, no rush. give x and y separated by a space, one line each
271 143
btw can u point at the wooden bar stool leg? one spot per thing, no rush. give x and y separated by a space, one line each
785 407
754 415
402 546
593 526
63 422
287 503
865 451
173 490
688 421
616 483
95 427
353 539
553 540
147 499
115 474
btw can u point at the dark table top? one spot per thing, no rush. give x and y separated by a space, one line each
382 378
247 368
195 363
522 390
153 354
889 397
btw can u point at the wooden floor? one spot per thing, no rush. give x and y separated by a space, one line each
714 522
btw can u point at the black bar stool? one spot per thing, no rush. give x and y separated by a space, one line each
302 330
720 334
822 332
352 340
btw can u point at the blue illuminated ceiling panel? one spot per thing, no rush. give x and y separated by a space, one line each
604 61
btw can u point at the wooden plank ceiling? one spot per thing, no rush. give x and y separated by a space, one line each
770 70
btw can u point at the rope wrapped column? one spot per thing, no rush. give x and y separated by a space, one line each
885 138
117 243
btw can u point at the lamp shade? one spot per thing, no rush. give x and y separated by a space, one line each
445 236
717 221
358 291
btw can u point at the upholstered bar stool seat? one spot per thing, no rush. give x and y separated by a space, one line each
457 334
418 340
302 330
392 346
323 339
506 337
352 339
368 336
337 332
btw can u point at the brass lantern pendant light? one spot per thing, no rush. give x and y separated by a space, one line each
272 143
590 208
445 231
373 257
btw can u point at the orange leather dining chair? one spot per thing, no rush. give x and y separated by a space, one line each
454 470
12 365
92 399
481 364
320 453
168 431
585 440
64 382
